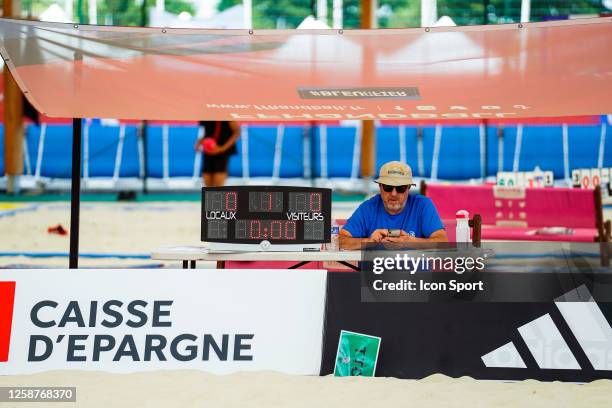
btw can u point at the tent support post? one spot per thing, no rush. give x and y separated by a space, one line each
368 20
312 133
75 193
145 174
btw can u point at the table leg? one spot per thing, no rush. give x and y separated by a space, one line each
297 265
185 264
192 264
353 267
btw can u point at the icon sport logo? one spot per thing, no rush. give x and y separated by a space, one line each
7 300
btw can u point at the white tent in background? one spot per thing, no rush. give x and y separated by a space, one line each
311 23
324 49
445 21
54 14
229 18
443 52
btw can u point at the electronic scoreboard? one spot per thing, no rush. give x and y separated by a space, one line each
267 218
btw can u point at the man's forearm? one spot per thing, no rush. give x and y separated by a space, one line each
431 239
437 236
351 242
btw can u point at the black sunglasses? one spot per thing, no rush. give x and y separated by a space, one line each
400 189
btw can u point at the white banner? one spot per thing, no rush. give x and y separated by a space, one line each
219 321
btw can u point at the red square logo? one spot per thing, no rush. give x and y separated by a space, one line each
7 299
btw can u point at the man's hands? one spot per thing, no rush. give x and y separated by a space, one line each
379 234
382 235
404 237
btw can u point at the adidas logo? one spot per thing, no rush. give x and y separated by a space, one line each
549 348
7 300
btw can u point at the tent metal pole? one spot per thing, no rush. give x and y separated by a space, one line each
145 172
500 148
75 193
484 150
312 133
307 157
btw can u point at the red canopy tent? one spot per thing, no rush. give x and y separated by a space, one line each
480 72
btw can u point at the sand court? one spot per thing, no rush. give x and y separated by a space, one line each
130 230
263 389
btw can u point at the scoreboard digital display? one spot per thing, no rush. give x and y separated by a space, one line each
252 214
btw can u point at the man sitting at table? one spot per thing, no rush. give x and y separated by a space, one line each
393 209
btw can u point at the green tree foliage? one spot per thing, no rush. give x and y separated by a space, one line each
504 11
117 12
407 13
111 12
274 13
351 14
225 4
130 13
290 13
399 14
32 8
178 6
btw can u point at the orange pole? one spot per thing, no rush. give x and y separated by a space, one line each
368 14
368 137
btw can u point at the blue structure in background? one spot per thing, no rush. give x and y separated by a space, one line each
446 152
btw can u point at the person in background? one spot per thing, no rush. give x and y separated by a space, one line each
379 218
217 144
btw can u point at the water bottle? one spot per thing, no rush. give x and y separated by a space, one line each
463 227
334 245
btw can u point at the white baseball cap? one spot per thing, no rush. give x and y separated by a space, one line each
395 173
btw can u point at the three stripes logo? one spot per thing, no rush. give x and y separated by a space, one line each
7 300
589 333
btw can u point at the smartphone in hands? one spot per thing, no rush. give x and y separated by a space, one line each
393 233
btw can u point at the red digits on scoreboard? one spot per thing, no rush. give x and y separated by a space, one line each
231 201
315 202
255 223
276 230
290 230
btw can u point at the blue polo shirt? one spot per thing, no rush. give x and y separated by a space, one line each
419 218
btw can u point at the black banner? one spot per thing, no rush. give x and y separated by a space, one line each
421 339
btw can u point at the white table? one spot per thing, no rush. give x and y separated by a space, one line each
190 254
